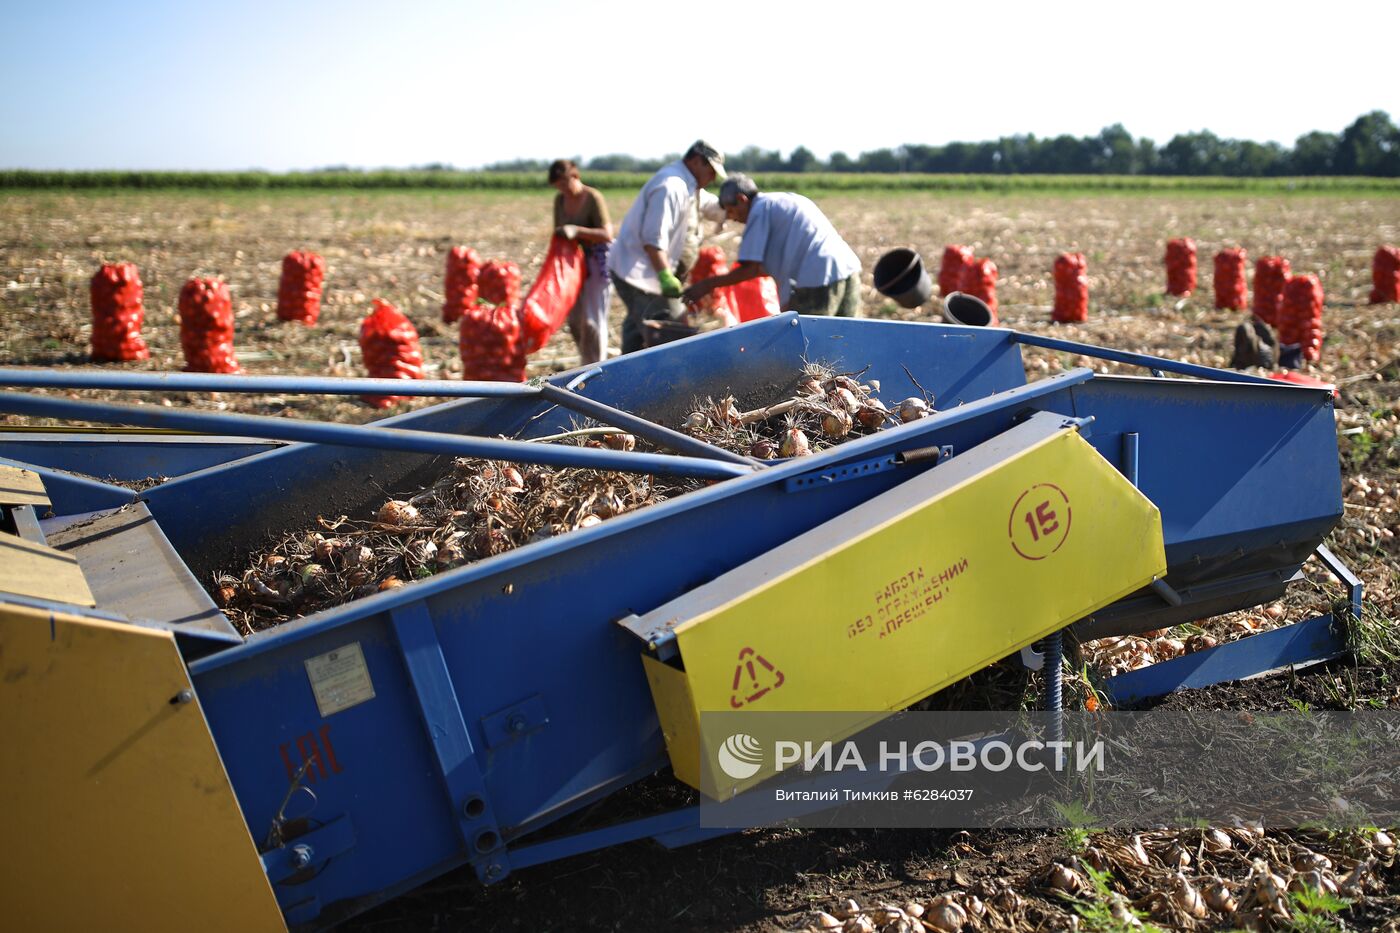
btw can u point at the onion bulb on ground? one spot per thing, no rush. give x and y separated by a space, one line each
1219 898
1186 898
1061 878
946 917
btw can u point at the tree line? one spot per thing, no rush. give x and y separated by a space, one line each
1370 146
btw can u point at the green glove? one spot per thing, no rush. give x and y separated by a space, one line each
670 285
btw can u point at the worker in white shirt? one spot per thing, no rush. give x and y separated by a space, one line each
652 238
788 237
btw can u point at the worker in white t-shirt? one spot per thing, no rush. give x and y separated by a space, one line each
652 238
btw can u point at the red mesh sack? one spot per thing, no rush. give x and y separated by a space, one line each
553 293
1231 292
979 279
755 298
117 314
206 327
491 344
1270 274
1300 315
950 273
1181 266
1385 275
460 282
389 345
299 292
1071 288
499 283
720 302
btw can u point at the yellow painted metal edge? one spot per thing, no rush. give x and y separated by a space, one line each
675 706
38 571
118 813
21 487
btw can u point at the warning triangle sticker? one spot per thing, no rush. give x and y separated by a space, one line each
754 676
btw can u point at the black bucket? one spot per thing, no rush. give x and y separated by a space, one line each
900 275
968 310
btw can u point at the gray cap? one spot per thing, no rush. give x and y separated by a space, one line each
735 185
710 154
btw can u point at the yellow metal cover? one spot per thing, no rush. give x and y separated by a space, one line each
28 568
117 813
21 487
910 592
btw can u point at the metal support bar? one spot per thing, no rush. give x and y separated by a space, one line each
657 434
446 727
309 851
1164 589
1154 363
27 523
1355 590
1130 457
672 821
1317 639
352 435
291 385
1131 460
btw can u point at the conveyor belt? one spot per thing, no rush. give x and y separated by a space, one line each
133 570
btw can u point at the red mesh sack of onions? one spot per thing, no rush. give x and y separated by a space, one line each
117 314
955 260
1181 266
389 345
498 283
1231 292
755 298
206 327
979 280
460 282
720 302
491 344
1071 288
1300 315
553 293
1385 275
1270 274
299 292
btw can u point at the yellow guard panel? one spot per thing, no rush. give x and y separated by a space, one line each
28 568
914 590
117 812
21 487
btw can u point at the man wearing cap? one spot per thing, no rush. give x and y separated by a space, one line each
788 237
652 237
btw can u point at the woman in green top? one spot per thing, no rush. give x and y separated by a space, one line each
581 215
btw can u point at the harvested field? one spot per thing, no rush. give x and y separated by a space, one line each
393 246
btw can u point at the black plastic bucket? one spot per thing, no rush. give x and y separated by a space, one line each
900 275
968 310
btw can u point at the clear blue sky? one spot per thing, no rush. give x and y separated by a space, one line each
163 85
